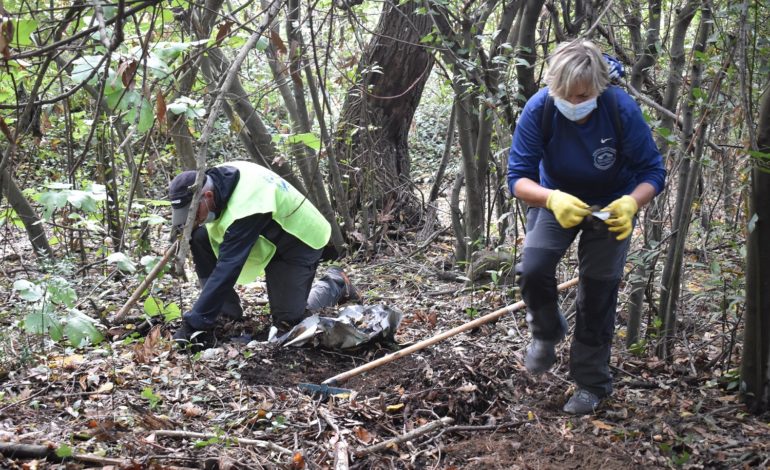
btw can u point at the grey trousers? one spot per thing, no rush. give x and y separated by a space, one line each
601 259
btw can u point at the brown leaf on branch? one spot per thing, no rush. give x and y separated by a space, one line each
127 72
224 31
275 38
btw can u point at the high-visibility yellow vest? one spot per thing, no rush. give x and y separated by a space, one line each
261 191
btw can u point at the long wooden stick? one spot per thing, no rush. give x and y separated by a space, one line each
143 286
340 378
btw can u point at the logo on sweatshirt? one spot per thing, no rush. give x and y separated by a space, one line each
604 158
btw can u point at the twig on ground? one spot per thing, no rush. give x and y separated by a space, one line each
341 446
24 400
404 437
239 440
17 450
485 427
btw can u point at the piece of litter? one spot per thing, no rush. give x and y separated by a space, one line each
601 215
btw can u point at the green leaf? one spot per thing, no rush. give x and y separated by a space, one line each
23 32
149 262
61 293
58 185
64 451
83 67
171 312
698 93
122 261
207 442
52 200
192 109
157 67
113 91
81 330
261 44
146 117
109 12
152 306
716 269
148 395
309 139
177 107
82 200
152 219
28 290
759 155
42 322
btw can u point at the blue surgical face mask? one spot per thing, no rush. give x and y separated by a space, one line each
575 112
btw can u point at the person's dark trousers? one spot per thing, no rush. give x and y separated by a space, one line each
205 260
289 278
290 287
601 259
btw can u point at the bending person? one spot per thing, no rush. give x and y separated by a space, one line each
251 222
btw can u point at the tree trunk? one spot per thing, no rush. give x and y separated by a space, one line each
755 363
653 221
294 99
688 177
26 213
650 53
371 140
526 72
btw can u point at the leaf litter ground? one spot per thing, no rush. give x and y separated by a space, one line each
142 404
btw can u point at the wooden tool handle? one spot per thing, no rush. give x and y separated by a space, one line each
343 377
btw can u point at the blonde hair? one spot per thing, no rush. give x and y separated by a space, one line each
575 63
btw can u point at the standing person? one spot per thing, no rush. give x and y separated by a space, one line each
249 222
579 143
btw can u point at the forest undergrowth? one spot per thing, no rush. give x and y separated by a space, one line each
468 401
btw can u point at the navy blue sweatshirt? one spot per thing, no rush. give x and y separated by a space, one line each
581 159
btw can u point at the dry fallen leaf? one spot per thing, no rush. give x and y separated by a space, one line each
297 461
71 362
602 425
190 410
362 434
469 388
144 352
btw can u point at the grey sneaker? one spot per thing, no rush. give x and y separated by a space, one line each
582 402
541 355
349 291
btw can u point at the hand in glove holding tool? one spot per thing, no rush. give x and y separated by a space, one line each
568 210
621 219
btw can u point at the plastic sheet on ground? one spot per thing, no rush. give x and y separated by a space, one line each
354 326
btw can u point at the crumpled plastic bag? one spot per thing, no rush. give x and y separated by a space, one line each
355 325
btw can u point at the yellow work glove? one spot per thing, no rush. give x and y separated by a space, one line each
568 210
621 219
